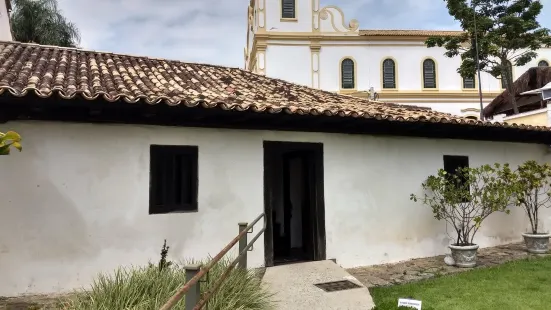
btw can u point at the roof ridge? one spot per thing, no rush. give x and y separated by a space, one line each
113 53
416 29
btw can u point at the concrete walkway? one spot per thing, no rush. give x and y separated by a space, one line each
294 287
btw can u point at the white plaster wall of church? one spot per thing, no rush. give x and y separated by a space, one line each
408 60
290 63
543 54
75 201
302 22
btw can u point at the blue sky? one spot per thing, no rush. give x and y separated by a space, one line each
213 31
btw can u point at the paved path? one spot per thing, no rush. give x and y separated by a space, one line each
294 289
424 268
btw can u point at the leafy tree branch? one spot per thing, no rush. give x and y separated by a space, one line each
507 32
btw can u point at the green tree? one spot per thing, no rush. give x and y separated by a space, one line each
41 22
507 32
8 140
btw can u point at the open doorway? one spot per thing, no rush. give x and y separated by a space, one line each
293 202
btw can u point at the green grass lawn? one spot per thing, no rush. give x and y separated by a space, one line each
524 284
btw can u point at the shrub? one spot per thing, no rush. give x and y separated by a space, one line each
465 199
8 140
531 185
149 287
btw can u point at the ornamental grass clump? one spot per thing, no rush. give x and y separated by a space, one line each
149 287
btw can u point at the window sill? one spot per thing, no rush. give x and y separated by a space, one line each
289 20
172 212
348 91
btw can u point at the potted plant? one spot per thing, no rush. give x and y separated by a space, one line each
464 199
532 185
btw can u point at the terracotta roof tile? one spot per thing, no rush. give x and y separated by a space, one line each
67 72
413 33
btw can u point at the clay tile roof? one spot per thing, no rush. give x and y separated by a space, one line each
410 33
49 71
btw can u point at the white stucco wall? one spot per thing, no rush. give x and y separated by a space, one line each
75 201
287 61
5 29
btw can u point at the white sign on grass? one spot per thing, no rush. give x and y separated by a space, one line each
412 303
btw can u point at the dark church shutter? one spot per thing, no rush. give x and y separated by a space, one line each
429 73
347 74
389 74
288 9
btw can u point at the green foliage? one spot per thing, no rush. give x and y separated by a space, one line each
466 198
148 288
531 184
507 32
41 22
163 263
8 140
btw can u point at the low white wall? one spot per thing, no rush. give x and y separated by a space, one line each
75 201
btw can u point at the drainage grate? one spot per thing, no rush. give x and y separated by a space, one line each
337 286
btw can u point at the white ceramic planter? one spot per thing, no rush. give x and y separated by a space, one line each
464 256
537 243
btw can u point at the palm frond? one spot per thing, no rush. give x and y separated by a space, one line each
42 22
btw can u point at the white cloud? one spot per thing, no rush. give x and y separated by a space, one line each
214 31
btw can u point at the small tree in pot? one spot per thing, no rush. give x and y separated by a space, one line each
464 200
532 189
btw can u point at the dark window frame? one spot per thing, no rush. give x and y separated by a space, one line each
163 165
426 74
543 63
454 162
350 73
288 9
389 70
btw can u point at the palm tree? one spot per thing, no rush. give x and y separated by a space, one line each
40 21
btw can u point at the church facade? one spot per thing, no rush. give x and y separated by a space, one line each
305 43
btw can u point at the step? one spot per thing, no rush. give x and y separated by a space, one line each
294 287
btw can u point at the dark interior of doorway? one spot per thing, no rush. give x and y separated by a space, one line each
294 206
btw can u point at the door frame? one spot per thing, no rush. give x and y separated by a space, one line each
273 151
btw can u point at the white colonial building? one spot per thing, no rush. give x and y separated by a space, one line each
302 42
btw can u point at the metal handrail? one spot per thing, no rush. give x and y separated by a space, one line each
193 281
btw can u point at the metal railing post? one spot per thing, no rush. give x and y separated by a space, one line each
194 294
242 245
